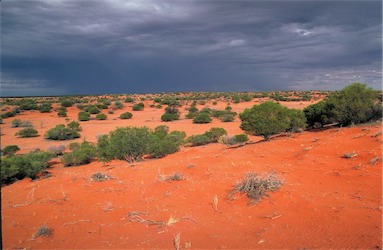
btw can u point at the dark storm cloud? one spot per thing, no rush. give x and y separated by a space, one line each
110 46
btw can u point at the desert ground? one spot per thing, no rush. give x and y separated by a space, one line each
326 201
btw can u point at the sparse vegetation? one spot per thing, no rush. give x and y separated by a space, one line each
56 150
80 155
256 187
100 177
27 132
60 132
17 167
44 231
83 116
101 116
171 114
126 115
9 150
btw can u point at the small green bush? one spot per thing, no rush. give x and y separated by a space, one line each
75 126
215 133
126 143
17 123
62 113
227 118
167 117
45 107
92 109
198 140
17 167
271 118
60 132
126 115
83 116
81 155
138 107
171 114
66 103
202 118
10 150
101 116
27 132
129 99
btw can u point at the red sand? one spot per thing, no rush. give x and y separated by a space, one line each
326 201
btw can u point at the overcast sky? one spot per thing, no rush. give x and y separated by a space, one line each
63 47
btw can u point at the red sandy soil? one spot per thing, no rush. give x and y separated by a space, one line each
326 201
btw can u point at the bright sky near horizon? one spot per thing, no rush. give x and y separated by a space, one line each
64 47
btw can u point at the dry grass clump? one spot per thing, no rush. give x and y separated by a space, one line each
170 178
256 186
101 177
44 231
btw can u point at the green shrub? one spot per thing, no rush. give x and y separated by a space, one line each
83 116
67 103
138 107
167 117
62 113
92 109
75 126
73 145
202 118
317 113
118 105
240 138
101 116
10 113
45 107
227 118
126 115
198 140
164 143
16 123
129 99
10 150
161 131
269 118
81 155
60 132
353 104
215 133
171 114
127 143
17 167
27 132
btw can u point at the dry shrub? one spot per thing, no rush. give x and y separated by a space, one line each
44 231
101 177
57 150
256 186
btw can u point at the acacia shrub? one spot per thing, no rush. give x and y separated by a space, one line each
9 150
27 132
126 115
125 143
17 167
60 132
83 116
270 118
80 155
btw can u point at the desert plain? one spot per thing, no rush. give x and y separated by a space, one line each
326 201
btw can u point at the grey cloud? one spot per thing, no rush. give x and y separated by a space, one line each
145 46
